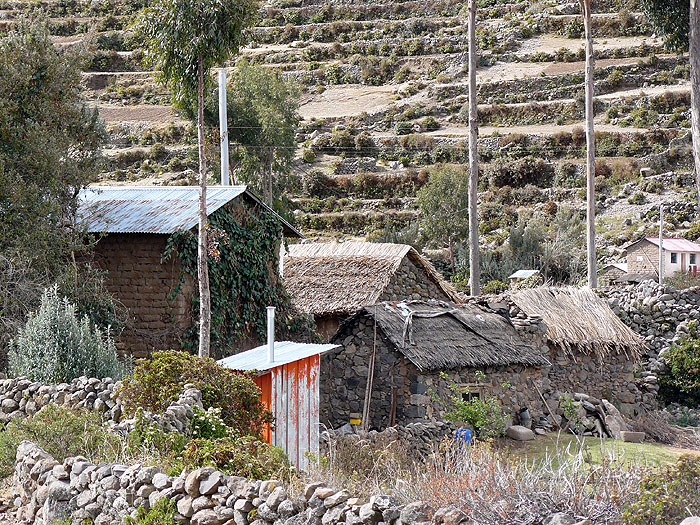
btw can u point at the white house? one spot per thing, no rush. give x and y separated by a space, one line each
680 255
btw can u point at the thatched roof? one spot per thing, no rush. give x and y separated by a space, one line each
339 278
577 319
441 336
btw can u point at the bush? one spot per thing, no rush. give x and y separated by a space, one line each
61 432
682 381
518 173
158 382
403 128
667 496
430 124
162 513
239 456
495 287
55 347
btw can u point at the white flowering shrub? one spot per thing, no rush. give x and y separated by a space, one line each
56 346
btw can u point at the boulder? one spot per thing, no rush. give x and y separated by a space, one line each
560 518
691 520
632 437
520 433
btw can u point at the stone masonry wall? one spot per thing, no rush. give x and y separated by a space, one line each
344 375
143 284
102 494
411 283
643 259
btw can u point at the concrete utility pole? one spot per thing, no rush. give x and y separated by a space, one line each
661 243
474 262
590 148
223 127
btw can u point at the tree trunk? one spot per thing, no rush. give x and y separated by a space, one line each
590 150
202 263
474 264
694 60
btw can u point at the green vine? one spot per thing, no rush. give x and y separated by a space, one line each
243 280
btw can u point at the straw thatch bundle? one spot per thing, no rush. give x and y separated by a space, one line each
339 278
442 336
578 320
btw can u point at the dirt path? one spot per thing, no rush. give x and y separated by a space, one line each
142 113
346 101
552 43
535 129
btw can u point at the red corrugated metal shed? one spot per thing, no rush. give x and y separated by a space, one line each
290 389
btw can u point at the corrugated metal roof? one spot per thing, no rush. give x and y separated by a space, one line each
154 209
285 352
523 274
676 245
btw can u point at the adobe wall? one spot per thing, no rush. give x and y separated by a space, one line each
144 285
643 258
410 282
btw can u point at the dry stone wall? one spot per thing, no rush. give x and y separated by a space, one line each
412 283
104 494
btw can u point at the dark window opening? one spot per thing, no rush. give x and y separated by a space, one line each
674 258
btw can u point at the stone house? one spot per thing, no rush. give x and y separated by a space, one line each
528 350
680 255
421 349
333 280
589 348
613 274
132 226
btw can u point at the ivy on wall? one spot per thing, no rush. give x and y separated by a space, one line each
243 278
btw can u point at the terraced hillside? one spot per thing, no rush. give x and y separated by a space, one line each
383 91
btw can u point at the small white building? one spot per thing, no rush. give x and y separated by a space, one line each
680 255
521 275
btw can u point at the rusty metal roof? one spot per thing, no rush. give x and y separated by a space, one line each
155 209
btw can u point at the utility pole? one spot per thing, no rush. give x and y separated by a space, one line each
661 243
474 263
694 59
223 127
590 149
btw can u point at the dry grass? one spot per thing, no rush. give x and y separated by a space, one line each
489 486
659 429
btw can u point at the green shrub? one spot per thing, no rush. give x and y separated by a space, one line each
637 198
162 513
308 156
667 496
430 124
518 173
315 183
485 416
682 381
240 456
61 432
55 346
403 128
495 287
159 381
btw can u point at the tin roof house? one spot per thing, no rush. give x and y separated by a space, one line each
133 225
680 255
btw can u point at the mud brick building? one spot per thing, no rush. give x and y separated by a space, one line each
333 280
132 226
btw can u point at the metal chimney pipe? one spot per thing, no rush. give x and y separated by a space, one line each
223 127
270 334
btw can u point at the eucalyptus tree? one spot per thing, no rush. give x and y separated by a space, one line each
679 23
183 41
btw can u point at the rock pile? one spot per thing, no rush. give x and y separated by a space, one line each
417 439
104 494
587 416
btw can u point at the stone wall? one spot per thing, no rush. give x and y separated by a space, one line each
412 283
402 394
144 284
101 494
643 259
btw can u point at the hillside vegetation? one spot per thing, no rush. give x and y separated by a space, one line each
383 86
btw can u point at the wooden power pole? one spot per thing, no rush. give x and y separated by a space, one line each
474 263
590 148
694 58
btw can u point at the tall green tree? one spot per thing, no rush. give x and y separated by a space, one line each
444 208
679 22
184 40
50 147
